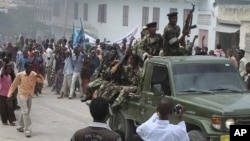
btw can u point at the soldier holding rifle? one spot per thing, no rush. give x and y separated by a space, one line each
171 40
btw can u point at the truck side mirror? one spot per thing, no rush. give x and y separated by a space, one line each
157 89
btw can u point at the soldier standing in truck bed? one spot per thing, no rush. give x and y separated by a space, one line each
151 44
170 37
144 32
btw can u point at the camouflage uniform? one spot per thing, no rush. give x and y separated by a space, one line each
151 45
133 76
136 46
170 40
108 90
101 75
144 32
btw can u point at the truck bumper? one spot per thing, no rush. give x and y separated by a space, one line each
220 138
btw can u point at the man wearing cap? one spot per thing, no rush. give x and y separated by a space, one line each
171 35
151 43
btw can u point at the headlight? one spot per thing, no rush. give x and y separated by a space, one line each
216 122
229 122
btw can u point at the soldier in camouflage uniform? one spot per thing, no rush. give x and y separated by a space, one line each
151 44
144 32
170 37
101 74
132 73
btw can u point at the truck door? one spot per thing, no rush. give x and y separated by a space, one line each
155 85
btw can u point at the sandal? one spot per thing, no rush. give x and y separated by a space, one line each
12 124
20 129
60 97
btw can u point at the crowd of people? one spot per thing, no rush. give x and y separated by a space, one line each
101 72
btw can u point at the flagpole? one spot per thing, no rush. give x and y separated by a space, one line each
65 15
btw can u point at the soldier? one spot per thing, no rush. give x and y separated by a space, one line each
132 73
170 36
151 44
144 32
101 75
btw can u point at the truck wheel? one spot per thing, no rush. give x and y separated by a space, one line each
196 135
118 122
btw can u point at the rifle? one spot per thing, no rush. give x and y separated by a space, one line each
115 67
188 25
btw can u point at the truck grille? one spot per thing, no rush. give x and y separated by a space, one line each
243 121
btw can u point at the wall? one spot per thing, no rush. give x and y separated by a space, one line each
237 14
207 8
234 13
245 29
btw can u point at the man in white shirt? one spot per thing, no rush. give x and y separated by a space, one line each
243 62
158 128
48 63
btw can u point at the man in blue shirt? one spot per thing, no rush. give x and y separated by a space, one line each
77 60
22 61
95 61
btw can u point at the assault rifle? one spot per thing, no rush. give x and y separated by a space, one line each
124 57
188 25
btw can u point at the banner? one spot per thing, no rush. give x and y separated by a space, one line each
136 32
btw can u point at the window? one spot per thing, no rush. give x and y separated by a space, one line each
247 42
76 11
102 13
160 78
56 8
85 14
145 12
173 10
156 16
204 19
49 15
202 77
125 15
44 15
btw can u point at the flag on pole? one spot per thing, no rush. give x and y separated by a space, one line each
78 37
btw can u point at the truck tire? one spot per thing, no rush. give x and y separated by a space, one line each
196 135
126 126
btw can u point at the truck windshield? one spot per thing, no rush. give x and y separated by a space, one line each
220 77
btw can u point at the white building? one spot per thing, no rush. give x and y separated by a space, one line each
112 19
234 19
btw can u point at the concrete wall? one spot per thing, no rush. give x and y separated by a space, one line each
207 8
234 13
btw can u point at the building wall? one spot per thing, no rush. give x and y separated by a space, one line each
114 29
237 14
244 30
207 8
234 13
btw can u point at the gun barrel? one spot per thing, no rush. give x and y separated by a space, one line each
192 26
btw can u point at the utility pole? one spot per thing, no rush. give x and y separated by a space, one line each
65 16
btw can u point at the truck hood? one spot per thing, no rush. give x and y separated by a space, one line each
227 104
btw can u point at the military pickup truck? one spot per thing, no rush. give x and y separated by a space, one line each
210 88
